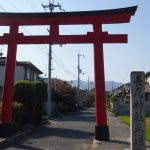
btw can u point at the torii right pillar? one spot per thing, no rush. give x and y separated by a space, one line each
101 128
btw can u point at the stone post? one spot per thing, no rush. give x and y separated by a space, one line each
137 111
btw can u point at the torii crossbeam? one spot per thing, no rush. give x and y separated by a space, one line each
97 38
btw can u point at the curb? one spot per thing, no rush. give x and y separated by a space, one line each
4 142
95 145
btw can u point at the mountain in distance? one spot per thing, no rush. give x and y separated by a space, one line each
109 85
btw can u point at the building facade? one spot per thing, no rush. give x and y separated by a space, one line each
25 70
121 102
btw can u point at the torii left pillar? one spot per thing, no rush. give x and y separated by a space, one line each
6 125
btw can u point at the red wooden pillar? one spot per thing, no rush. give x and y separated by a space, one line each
9 82
101 128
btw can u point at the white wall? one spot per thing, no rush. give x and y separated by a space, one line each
28 73
2 72
19 73
122 108
35 76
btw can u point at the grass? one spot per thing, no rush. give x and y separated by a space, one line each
126 119
148 128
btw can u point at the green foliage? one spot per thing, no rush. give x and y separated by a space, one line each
40 91
31 95
88 100
148 128
56 97
91 97
114 98
107 94
108 101
23 91
62 87
126 119
68 103
59 91
17 115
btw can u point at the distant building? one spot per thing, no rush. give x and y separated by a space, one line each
25 70
121 103
147 77
122 93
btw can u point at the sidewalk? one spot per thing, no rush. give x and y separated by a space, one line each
119 136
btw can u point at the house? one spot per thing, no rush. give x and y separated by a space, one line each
122 93
121 103
147 77
25 70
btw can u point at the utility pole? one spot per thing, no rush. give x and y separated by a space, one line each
79 72
88 84
88 87
51 6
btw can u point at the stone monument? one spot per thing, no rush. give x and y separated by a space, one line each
137 111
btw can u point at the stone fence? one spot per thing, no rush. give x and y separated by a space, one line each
123 108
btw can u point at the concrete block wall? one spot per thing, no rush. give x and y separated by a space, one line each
123 108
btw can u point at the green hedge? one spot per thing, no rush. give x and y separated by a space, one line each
17 115
68 103
31 95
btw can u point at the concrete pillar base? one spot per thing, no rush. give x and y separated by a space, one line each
102 133
5 130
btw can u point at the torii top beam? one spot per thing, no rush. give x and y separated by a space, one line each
64 18
122 15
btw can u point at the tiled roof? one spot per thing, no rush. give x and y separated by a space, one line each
21 63
126 88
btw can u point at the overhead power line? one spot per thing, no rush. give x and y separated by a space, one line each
61 64
41 47
3 9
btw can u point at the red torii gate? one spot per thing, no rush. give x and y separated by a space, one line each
97 37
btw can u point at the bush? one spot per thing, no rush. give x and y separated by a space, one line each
31 95
17 114
40 95
68 103
40 91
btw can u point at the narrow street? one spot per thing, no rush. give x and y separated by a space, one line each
70 132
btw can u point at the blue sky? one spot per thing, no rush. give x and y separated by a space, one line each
119 59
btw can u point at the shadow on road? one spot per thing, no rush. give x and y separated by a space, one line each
26 147
84 116
64 133
119 142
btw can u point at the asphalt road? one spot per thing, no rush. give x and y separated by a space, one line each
70 132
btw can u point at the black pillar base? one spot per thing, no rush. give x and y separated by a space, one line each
102 133
5 130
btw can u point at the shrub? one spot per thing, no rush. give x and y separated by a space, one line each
32 95
68 103
17 115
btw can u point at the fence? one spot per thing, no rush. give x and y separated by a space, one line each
123 108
